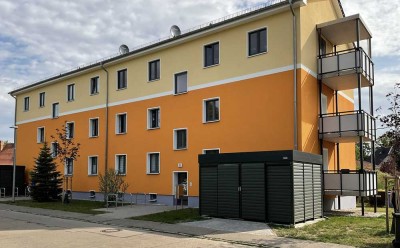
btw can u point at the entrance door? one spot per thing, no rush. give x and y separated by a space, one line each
228 191
181 179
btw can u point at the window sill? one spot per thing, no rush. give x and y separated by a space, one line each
93 175
121 133
180 93
55 117
209 66
154 80
26 110
180 149
93 137
41 106
122 88
68 175
94 94
153 128
257 54
153 173
206 122
71 100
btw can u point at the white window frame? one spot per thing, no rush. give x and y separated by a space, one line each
91 127
126 164
117 123
54 153
149 115
175 139
90 165
52 110
26 103
248 43
66 168
73 92
174 83
205 109
149 161
67 133
211 149
204 54
40 99
148 70
39 135
126 86
98 85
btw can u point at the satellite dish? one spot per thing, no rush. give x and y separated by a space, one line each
123 49
175 31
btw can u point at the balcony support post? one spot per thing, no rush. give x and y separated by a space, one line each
337 144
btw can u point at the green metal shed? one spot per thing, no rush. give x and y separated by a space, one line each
272 186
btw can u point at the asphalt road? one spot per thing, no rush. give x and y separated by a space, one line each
19 230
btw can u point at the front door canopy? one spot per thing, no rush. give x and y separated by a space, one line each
344 30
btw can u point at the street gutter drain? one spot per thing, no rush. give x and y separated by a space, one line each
110 230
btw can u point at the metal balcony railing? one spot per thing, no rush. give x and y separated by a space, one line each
347 126
350 182
346 63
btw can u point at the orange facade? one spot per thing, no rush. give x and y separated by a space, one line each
255 115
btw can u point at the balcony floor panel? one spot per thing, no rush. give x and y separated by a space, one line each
344 80
344 137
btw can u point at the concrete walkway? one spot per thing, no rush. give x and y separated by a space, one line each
232 231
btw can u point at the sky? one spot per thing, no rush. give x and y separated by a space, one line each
41 38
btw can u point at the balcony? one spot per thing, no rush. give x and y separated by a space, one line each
347 127
339 71
350 182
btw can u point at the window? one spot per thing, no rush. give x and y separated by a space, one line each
26 103
69 166
92 165
94 85
42 98
211 151
211 54
322 46
70 92
211 110
180 139
120 127
94 127
153 116
153 163
180 83
258 42
40 135
154 70
120 164
69 127
54 149
122 79
55 110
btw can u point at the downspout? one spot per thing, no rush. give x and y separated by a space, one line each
106 126
295 135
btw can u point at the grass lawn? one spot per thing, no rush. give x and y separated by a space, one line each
174 216
78 206
355 231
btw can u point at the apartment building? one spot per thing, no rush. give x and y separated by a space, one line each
230 86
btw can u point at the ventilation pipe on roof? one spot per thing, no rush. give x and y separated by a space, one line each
294 77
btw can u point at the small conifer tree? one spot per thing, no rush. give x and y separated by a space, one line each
46 180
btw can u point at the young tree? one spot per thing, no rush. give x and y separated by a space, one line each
66 147
391 122
111 183
46 180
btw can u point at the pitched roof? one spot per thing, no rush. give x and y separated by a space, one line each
6 155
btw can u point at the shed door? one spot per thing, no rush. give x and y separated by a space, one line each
253 191
228 191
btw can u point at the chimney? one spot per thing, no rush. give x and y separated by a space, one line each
2 143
